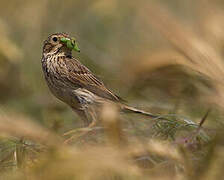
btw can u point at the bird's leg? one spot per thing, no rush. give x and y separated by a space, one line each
88 115
83 115
93 116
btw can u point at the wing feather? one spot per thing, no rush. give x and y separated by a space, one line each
81 75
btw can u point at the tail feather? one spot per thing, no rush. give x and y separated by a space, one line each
129 109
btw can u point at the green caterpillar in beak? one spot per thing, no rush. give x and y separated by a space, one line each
70 43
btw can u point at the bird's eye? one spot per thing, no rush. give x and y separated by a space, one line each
55 39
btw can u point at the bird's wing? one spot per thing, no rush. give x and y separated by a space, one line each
82 76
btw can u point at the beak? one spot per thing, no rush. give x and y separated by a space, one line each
71 44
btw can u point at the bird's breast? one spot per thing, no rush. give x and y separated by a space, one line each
55 72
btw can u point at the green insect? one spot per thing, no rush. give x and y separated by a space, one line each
71 43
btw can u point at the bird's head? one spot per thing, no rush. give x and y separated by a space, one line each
60 43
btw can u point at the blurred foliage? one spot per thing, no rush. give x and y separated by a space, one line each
163 56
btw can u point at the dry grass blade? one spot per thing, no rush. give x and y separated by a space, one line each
21 126
110 120
160 59
200 56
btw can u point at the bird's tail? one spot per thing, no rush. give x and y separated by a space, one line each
129 109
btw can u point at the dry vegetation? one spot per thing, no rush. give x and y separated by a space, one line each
163 56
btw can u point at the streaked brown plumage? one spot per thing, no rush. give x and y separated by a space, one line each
73 83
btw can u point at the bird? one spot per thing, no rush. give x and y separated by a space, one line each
73 83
